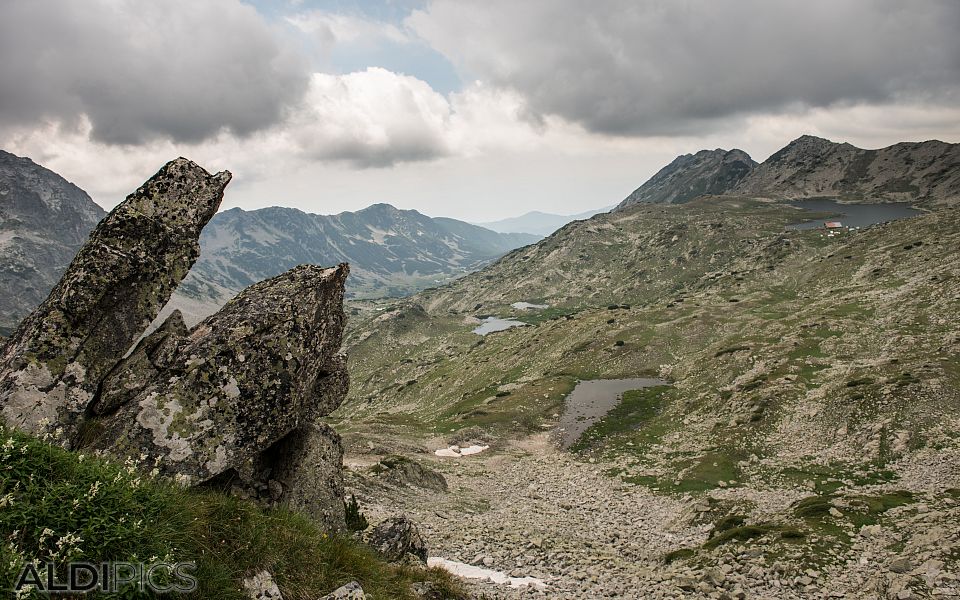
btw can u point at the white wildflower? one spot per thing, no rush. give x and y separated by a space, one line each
94 489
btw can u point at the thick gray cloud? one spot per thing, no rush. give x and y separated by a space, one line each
676 67
176 69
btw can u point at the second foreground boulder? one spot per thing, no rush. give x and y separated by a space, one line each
397 538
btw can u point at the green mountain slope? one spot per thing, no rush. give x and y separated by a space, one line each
813 397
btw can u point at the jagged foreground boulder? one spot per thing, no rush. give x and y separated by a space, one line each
231 403
234 401
52 366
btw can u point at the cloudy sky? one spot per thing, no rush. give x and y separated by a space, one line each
476 109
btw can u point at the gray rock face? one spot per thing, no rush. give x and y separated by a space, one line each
691 175
308 469
400 470
215 401
397 537
44 219
53 364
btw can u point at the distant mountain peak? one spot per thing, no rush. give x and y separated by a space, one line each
691 175
811 166
537 222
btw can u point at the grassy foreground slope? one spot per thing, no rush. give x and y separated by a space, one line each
60 506
795 357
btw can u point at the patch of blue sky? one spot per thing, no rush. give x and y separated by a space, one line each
411 57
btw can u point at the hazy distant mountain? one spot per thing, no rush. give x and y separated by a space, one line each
44 219
391 252
539 223
814 167
691 175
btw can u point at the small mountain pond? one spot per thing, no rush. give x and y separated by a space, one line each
591 400
851 215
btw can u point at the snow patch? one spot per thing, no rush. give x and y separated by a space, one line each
457 451
528 305
471 572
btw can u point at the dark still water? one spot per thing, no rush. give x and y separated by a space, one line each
852 215
591 400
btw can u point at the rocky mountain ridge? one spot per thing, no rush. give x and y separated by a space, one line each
392 252
692 175
812 167
44 220
808 167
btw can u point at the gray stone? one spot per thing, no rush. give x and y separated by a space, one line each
404 471
901 565
397 537
261 586
350 591
309 466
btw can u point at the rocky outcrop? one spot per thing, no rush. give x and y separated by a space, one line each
44 219
234 401
231 403
692 175
308 474
400 470
52 366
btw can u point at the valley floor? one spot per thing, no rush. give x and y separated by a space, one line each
807 445
528 509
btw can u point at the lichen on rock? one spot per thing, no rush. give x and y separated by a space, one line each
218 403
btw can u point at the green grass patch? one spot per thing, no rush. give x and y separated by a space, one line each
707 474
746 533
814 506
60 506
857 511
726 523
538 316
681 554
